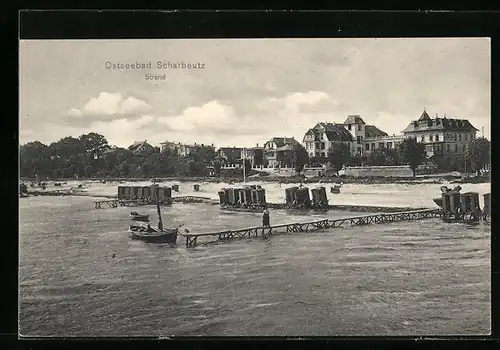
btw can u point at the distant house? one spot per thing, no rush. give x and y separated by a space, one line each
184 150
141 147
230 155
318 140
254 154
277 151
444 138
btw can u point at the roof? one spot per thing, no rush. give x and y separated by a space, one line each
231 153
354 119
334 132
281 141
440 124
372 130
138 144
288 147
424 116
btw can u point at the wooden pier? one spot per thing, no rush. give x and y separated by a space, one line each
191 238
193 199
115 203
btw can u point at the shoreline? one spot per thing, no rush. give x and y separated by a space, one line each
422 179
334 207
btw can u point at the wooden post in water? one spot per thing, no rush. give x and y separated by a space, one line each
160 222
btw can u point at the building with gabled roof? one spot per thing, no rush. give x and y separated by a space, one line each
319 139
443 137
277 151
141 147
230 155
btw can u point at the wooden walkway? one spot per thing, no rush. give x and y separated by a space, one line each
191 238
115 202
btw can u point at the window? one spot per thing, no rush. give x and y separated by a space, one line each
422 138
367 146
456 148
459 137
322 154
455 137
389 145
359 127
430 138
465 136
373 146
437 137
311 154
380 145
448 147
322 145
349 127
358 140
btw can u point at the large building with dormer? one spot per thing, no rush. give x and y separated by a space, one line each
318 140
360 136
443 137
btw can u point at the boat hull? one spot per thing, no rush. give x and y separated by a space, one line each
139 217
438 201
168 236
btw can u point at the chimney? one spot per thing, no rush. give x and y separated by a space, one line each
257 145
195 143
212 144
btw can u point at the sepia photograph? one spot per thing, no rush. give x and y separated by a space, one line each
255 187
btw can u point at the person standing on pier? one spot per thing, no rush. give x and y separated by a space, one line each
265 218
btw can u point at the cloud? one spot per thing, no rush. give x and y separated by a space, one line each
111 104
210 116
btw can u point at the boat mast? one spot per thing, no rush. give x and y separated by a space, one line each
244 165
160 222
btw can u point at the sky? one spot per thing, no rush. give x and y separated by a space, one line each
245 91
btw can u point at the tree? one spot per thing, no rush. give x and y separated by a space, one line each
217 167
34 159
477 153
338 155
88 171
392 157
248 166
412 153
378 157
124 168
145 170
67 147
383 157
93 142
299 157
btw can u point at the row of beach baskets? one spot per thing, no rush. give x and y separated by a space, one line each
245 196
301 197
144 192
454 201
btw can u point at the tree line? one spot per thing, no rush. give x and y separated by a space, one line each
89 155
